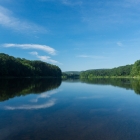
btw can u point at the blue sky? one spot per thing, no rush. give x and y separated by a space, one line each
73 34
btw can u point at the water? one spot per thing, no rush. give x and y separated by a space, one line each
48 109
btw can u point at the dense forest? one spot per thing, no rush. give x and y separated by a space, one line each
71 75
72 72
115 72
127 71
122 71
17 67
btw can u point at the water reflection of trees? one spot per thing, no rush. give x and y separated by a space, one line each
133 84
136 86
10 88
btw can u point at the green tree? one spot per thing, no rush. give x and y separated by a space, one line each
136 69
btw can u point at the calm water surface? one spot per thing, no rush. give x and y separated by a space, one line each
48 109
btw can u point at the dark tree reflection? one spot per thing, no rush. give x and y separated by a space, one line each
133 84
10 88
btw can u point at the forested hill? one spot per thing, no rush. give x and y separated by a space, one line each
17 67
72 72
127 70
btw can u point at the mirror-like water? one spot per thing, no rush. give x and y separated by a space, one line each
46 109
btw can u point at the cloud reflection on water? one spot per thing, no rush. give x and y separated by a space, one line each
48 104
33 102
44 95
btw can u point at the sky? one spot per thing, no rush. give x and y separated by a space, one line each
75 35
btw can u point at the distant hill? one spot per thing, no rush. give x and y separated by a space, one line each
72 72
71 75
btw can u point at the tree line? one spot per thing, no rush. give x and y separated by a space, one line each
70 76
132 70
122 71
17 67
119 71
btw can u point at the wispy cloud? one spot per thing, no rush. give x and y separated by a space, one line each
44 58
135 2
7 19
45 48
119 44
91 56
111 14
48 104
71 3
66 2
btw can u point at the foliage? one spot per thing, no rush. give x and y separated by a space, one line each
17 67
72 72
115 72
136 69
70 75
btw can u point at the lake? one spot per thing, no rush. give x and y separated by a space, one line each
51 109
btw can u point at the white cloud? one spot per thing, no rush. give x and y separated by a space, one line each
8 20
132 2
66 2
91 56
106 15
32 107
32 46
71 3
119 44
44 58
